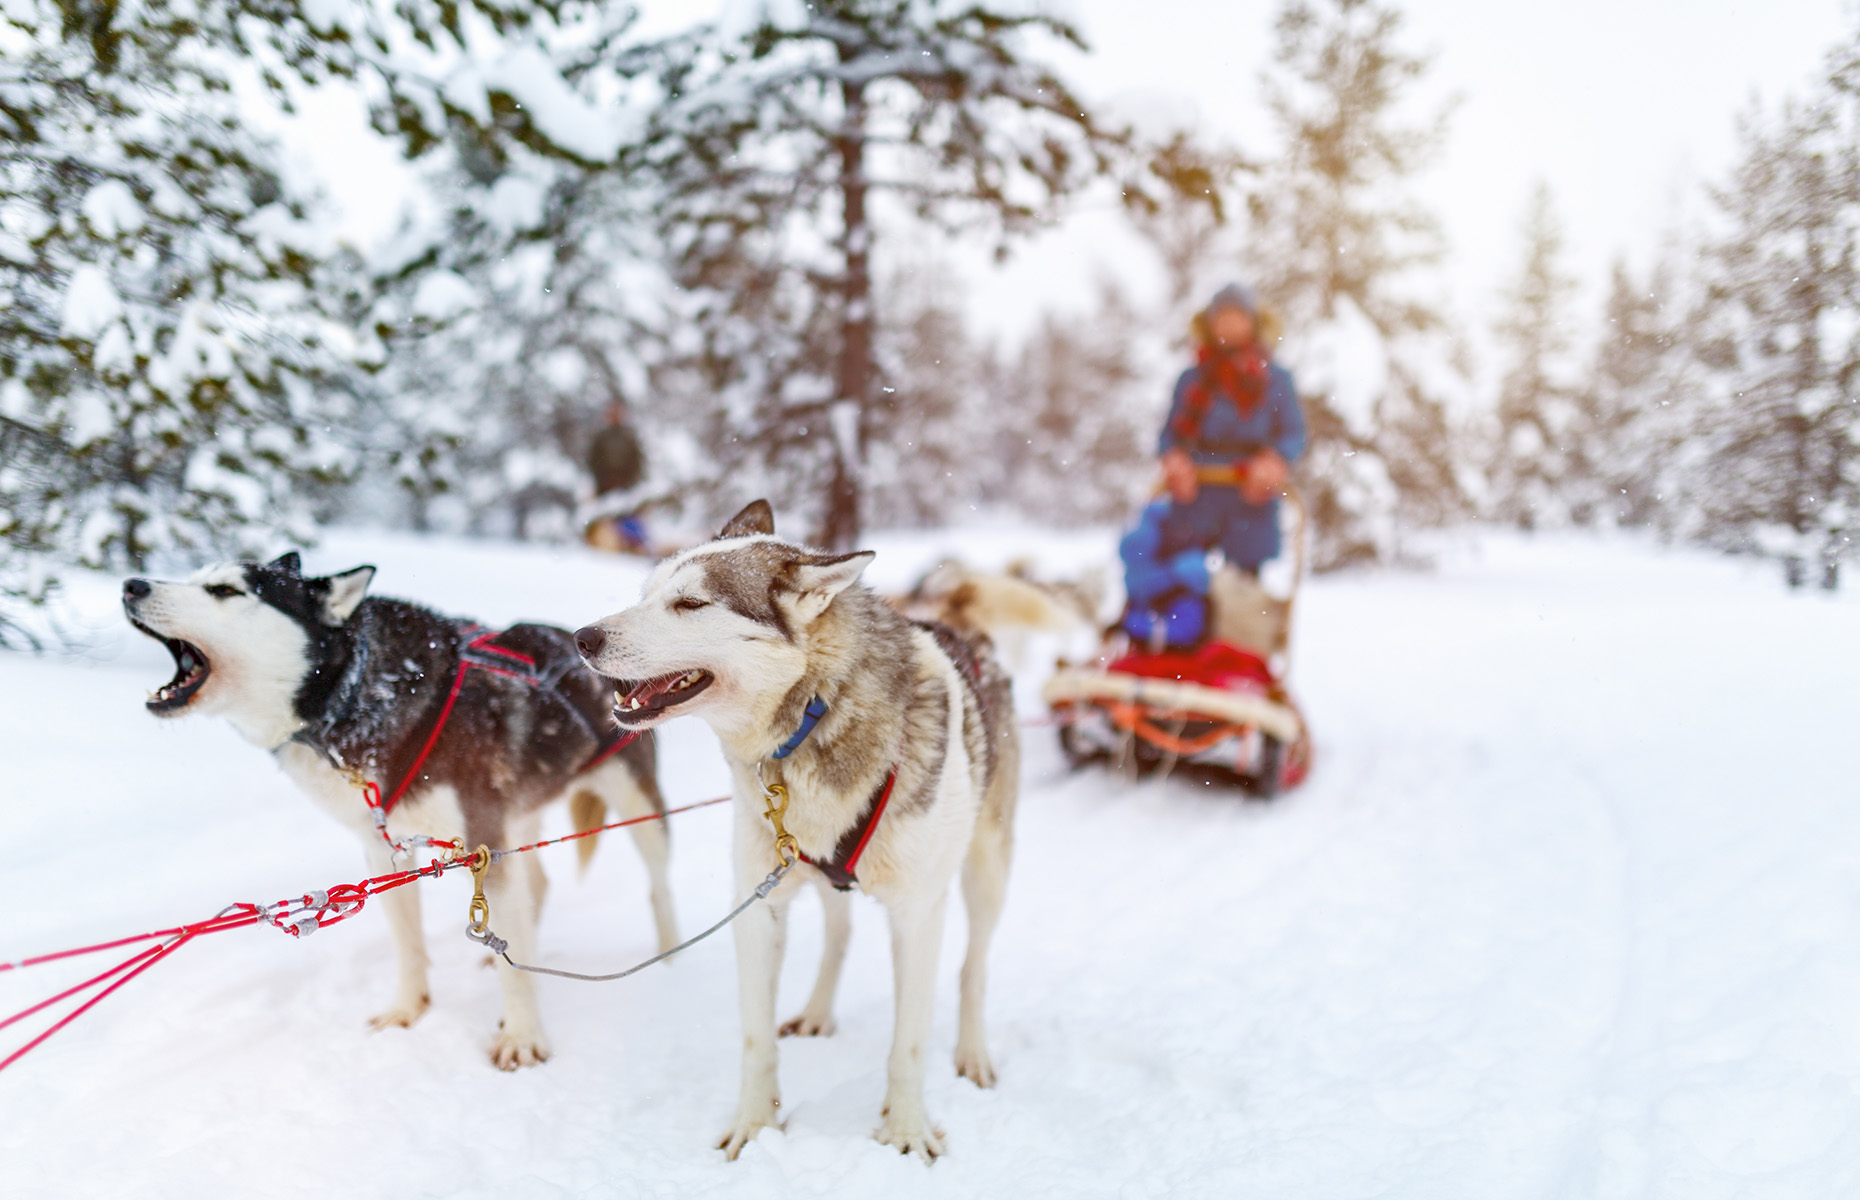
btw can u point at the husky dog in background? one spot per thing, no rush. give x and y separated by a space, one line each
953 593
1011 606
325 677
895 741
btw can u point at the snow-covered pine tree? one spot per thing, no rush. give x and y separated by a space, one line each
1541 470
1188 223
161 351
509 320
517 301
1337 244
1637 391
1777 337
798 144
933 398
1079 411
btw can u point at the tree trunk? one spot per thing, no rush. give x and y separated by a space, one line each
840 527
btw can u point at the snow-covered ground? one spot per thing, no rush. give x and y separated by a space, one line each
1567 908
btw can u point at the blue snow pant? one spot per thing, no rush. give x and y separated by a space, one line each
1165 559
1166 591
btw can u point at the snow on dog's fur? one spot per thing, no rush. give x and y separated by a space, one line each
745 631
312 669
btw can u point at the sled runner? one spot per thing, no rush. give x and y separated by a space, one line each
1221 705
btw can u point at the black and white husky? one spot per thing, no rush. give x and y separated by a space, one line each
467 733
896 744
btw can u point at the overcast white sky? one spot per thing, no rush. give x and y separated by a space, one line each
1623 106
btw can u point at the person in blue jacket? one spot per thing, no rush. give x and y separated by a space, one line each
1227 448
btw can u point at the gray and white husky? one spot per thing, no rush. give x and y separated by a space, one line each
324 676
896 744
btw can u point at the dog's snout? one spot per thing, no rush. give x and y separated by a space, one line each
135 589
589 640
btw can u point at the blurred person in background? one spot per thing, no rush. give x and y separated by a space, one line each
617 463
1226 451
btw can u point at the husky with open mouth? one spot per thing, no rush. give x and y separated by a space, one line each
467 732
896 744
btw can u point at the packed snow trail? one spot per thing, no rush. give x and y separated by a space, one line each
1565 910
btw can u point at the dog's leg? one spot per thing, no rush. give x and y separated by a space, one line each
539 885
761 936
411 996
816 1020
984 887
640 798
916 938
512 888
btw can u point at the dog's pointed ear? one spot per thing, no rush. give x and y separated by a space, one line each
756 517
342 594
289 563
816 579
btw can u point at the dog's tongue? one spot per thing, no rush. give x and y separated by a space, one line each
643 692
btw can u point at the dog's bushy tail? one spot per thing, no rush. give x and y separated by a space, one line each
587 811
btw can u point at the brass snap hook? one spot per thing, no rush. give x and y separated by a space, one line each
787 850
479 916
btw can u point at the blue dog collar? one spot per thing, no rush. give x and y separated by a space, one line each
816 709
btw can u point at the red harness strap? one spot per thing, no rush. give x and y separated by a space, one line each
842 869
614 747
445 715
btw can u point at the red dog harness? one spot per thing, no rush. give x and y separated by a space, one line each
479 650
842 869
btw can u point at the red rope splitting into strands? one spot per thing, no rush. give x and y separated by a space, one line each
299 916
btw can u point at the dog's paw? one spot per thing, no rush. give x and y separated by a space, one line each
512 1050
911 1135
740 1135
973 1064
808 1025
402 1015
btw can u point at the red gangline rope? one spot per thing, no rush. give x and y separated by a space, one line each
298 916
